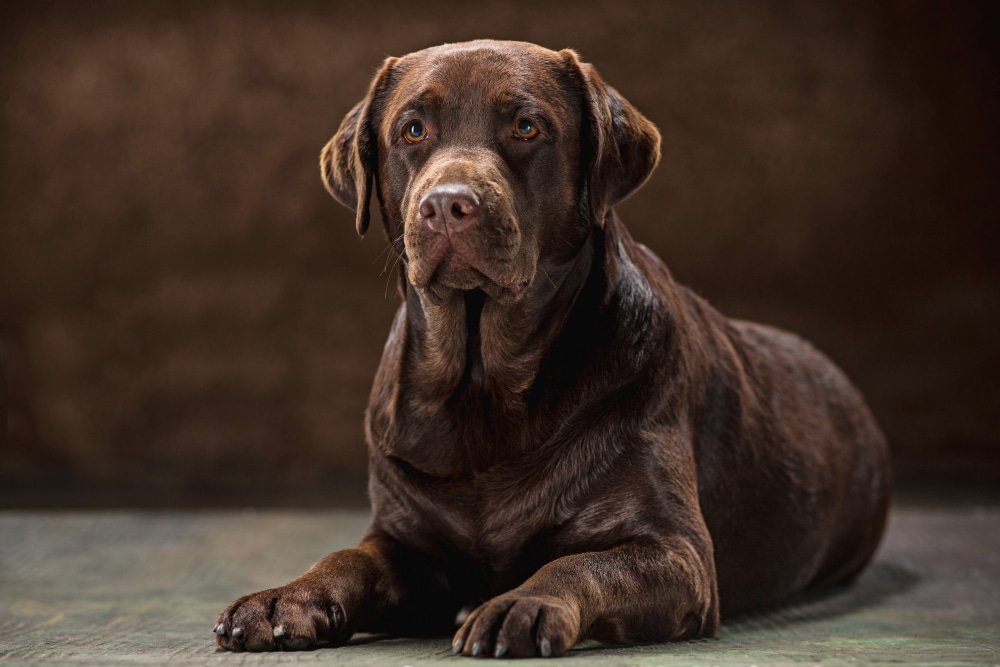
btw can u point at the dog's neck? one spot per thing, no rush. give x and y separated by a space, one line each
474 343
480 379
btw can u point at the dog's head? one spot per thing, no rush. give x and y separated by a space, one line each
489 159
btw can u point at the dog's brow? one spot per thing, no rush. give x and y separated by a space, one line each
519 101
515 99
428 97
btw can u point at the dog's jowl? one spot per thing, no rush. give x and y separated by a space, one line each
561 437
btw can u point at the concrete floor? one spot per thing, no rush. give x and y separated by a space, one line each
145 587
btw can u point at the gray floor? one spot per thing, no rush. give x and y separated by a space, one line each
111 587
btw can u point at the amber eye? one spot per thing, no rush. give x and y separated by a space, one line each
415 132
525 129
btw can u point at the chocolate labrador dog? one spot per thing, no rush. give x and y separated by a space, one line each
561 437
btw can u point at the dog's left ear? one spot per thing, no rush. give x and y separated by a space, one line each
621 146
349 160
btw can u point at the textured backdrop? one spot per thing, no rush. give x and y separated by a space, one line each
185 316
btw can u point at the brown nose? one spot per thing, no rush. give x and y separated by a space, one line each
452 206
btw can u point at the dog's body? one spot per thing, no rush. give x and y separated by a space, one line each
558 432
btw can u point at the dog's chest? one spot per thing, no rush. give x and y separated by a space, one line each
495 533
448 441
498 521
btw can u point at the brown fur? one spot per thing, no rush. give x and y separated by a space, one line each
558 432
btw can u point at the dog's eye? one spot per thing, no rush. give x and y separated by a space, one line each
525 129
415 132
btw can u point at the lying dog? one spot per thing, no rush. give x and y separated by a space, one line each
558 432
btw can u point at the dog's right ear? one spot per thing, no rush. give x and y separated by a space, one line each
349 160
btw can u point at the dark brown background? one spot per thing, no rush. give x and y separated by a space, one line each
187 318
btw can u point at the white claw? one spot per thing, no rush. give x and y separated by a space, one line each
278 631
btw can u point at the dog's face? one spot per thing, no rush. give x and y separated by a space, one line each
490 160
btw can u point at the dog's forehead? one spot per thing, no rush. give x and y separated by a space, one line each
496 74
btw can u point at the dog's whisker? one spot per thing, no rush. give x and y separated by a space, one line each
389 246
397 262
546 274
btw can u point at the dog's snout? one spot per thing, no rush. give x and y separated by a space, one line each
452 207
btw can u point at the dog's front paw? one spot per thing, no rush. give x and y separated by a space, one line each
293 617
515 625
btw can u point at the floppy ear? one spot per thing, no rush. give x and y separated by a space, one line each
620 145
349 161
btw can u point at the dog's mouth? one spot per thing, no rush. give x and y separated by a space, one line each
457 276
444 271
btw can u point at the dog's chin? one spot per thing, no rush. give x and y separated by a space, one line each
456 276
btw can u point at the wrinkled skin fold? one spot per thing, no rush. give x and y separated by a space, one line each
561 437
